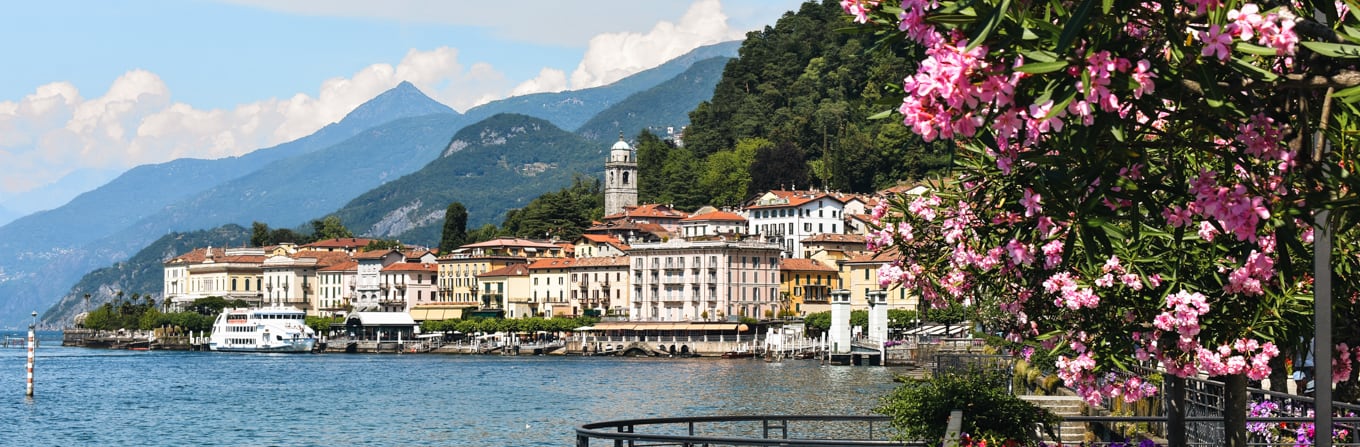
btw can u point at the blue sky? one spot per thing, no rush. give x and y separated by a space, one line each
105 86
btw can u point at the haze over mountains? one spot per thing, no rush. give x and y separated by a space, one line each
356 166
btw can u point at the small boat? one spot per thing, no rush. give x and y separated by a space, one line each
740 353
262 329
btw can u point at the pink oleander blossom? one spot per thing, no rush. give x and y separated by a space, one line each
1216 43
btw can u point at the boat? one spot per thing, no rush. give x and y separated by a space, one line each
262 329
741 353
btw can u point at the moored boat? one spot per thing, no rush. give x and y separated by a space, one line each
262 329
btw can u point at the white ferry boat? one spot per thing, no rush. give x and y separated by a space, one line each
262 329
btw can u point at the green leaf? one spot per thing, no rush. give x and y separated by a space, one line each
952 19
1039 55
1106 6
1337 50
1253 71
1251 48
1042 67
1074 25
881 115
993 20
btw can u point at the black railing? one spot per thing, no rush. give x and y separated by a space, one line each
804 430
762 430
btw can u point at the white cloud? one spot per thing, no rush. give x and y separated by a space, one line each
55 130
614 56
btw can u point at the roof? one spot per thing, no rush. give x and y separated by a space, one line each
603 261
803 265
888 255
606 239
373 254
382 318
323 258
552 263
510 242
411 267
649 210
343 242
347 266
785 199
509 270
723 216
835 238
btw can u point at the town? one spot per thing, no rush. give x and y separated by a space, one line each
780 255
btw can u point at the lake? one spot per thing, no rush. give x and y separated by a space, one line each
104 397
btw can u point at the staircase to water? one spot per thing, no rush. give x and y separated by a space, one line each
1068 433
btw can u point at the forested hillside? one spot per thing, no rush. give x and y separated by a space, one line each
800 85
666 105
143 273
492 166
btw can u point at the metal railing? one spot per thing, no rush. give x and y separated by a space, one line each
759 430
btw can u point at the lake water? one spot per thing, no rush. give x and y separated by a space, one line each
103 397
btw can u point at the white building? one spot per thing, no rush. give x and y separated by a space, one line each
548 286
368 277
232 273
600 284
788 217
713 223
698 281
292 280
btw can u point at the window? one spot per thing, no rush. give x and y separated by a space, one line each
807 227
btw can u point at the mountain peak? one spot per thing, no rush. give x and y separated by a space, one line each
402 101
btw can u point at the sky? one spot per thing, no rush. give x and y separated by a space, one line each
91 88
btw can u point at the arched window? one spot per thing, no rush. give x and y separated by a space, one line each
625 178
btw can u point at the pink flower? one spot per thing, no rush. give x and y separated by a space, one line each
1031 202
1143 75
1216 42
859 9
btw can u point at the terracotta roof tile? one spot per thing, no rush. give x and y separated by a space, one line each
347 266
552 263
509 270
835 238
722 216
344 242
411 267
803 265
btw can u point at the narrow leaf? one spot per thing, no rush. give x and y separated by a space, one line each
1074 25
1042 67
1337 50
993 20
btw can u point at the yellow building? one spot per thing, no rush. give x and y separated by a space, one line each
859 275
805 285
508 288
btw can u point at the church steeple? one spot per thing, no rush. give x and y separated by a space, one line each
620 178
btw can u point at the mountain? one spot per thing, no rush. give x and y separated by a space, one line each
571 109
142 273
54 194
666 105
43 253
491 166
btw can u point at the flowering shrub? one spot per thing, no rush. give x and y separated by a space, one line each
1297 434
1135 177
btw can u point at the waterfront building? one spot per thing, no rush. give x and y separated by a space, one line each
599 286
703 280
235 274
598 246
348 245
337 288
407 284
458 270
507 288
368 277
291 280
712 223
548 286
788 217
806 284
620 178
859 275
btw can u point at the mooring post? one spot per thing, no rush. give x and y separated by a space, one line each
32 342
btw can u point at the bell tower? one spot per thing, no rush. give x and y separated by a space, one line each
620 178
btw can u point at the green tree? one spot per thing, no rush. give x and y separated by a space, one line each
780 166
329 227
727 175
919 408
259 234
455 228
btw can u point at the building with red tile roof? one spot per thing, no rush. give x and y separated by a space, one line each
712 223
807 285
508 288
350 245
788 217
652 213
231 273
599 245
